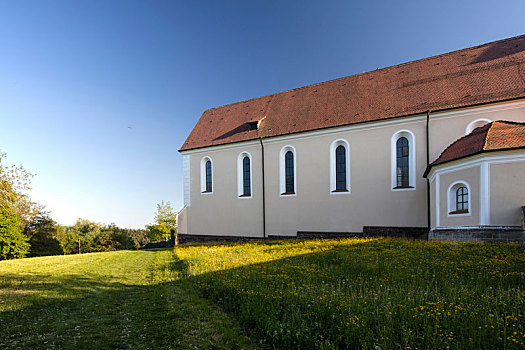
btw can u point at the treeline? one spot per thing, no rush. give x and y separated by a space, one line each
27 230
46 237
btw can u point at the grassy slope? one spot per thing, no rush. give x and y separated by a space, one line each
377 293
125 299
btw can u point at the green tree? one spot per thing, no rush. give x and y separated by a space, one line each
165 221
16 210
15 182
43 236
86 232
13 243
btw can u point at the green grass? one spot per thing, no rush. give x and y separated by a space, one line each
350 293
370 294
116 300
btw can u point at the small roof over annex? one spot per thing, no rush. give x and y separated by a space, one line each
483 74
495 136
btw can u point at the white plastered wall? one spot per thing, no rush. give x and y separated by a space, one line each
371 201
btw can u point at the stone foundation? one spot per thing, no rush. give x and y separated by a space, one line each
369 231
189 238
492 234
396 231
327 235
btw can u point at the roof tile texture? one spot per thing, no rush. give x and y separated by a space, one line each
494 136
483 74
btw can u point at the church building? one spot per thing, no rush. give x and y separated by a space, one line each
435 145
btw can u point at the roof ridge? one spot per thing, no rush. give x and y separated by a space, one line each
487 135
475 131
510 122
371 71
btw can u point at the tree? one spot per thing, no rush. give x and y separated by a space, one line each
43 236
165 221
15 182
16 209
13 243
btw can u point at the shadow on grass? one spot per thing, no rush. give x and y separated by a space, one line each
85 312
352 295
390 293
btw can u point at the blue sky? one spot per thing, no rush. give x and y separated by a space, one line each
96 97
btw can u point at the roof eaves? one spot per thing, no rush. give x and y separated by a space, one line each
427 170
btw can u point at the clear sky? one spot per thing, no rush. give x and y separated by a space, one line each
97 96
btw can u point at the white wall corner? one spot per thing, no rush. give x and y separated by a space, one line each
186 176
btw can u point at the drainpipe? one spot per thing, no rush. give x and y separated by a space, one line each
428 163
263 189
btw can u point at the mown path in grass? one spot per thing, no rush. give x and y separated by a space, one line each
116 300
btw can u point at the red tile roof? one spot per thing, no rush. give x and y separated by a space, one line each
495 136
482 74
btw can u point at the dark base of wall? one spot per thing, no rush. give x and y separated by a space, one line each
396 231
369 231
189 238
327 235
493 234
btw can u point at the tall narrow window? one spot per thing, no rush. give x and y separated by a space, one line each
462 200
289 172
246 186
403 161
244 175
340 168
208 177
402 156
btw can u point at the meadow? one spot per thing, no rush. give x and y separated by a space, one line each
367 293
292 294
113 300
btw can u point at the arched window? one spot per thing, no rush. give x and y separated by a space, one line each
244 175
287 164
459 199
462 199
402 161
289 172
206 175
339 167
246 183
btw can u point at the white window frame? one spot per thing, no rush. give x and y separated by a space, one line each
333 147
451 198
240 186
476 124
203 175
409 135
282 173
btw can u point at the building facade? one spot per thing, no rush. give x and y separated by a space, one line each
350 153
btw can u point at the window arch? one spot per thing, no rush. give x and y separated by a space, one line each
403 161
476 124
287 169
459 199
244 175
206 175
339 167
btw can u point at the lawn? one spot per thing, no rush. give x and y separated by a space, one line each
349 293
115 300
